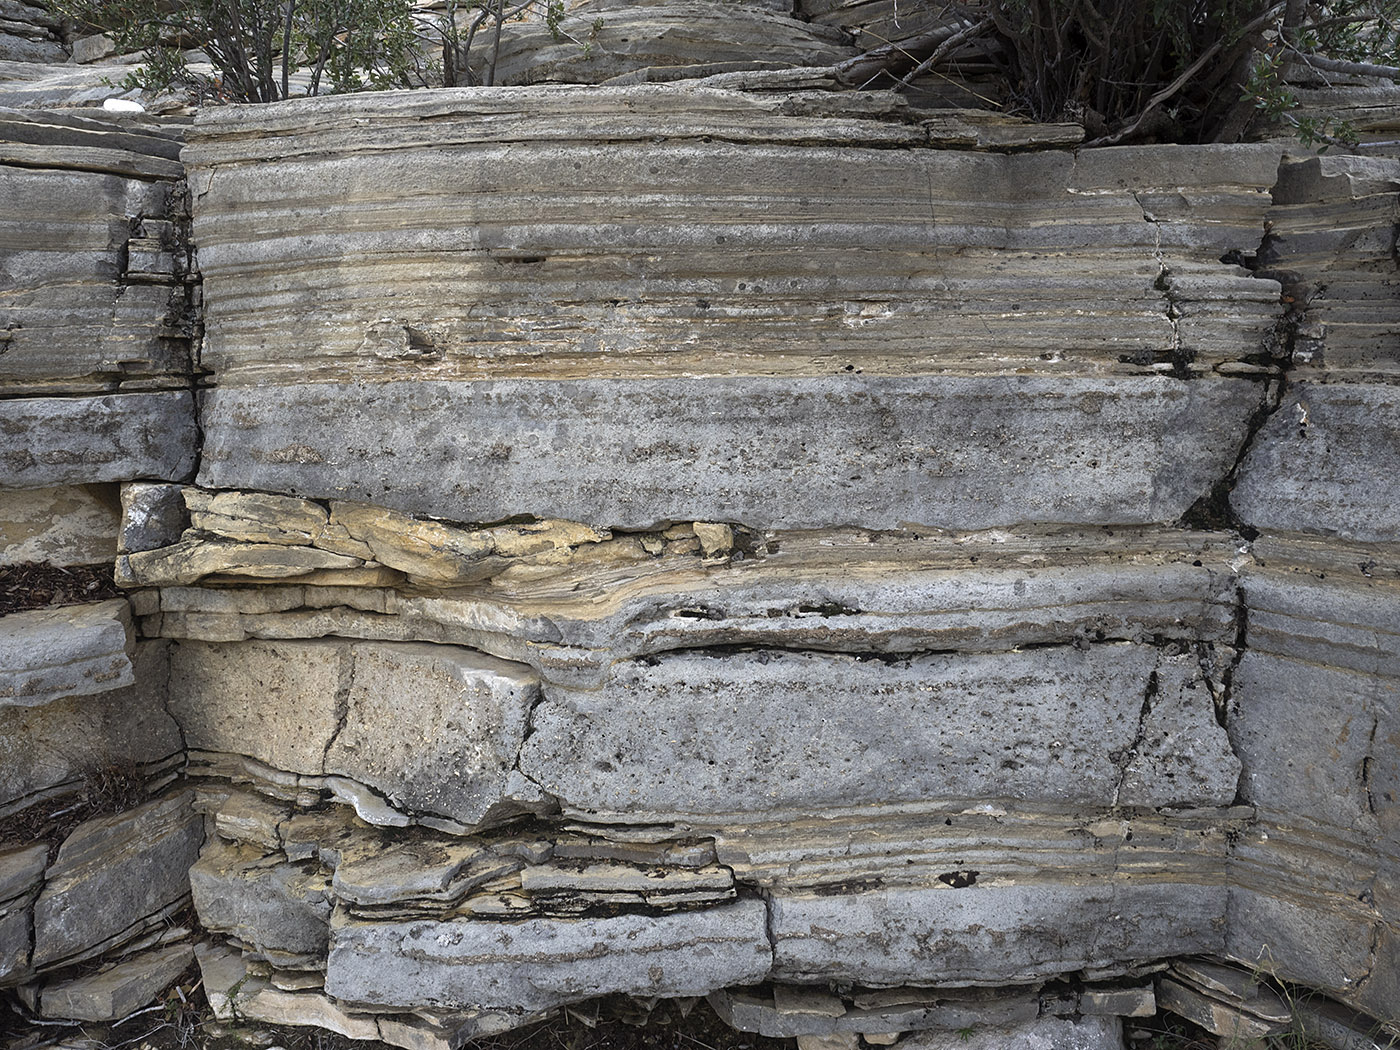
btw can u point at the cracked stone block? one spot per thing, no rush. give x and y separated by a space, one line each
119 991
541 963
432 728
65 525
75 650
763 730
1319 743
81 440
281 910
279 700
793 452
1337 474
60 743
436 728
114 872
992 932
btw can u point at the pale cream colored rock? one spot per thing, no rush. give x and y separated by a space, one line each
68 525
248 817
833 1041
804 1001
193 558
882 1038
256 517
514 541
275 700
334 537
715 538
429 549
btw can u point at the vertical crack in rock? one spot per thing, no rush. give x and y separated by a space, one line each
345 679
768 923
1214 510
1180 357
1366 765
1126 756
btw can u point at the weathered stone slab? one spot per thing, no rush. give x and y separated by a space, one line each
539 963
432 728
1224 1019
62 742
765 730
1335 475
113 872
1336 732
68 525
117 992
1045 1033
790 1011
991 934
278 909
21 870
961 453
14 942
193 558
50 441
75 650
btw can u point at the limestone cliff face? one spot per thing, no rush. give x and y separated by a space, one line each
670 540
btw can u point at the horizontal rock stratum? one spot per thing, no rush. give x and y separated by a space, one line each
669 540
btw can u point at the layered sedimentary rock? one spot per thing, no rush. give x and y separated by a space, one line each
96 300
674 541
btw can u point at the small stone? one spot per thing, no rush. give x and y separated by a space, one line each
153 516
715 538
833 1041
882 1038
256 517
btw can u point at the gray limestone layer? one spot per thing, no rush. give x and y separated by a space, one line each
46 441
542 963
787 731
881 452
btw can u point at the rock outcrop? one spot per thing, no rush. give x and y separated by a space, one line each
873 570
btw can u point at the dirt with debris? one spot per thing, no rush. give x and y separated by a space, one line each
37 585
